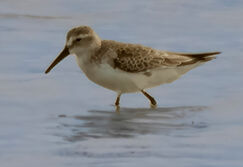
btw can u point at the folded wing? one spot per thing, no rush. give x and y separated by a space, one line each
139 59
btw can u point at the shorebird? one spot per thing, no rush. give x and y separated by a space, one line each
125 67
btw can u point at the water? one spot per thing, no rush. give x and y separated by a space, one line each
63 119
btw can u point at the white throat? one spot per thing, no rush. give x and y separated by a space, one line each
83 57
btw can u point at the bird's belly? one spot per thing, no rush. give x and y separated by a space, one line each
126 82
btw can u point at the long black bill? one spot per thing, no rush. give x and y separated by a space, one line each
59 58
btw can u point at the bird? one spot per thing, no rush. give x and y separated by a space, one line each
126 67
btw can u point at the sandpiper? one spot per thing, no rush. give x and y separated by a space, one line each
125 67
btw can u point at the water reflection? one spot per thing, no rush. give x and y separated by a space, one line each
129 122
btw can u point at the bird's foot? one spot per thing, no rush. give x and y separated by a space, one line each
118 109
153 106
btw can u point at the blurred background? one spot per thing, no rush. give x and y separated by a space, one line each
64 119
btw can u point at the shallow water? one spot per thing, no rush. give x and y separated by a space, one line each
63 119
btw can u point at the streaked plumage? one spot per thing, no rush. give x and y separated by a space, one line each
138 58
124 67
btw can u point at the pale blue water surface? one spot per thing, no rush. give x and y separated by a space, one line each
63 119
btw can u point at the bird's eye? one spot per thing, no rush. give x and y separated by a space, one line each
78 39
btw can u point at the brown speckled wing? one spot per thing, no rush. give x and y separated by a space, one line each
138 58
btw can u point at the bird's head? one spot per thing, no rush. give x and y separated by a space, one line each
79 40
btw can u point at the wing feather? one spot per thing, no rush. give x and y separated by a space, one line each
138 58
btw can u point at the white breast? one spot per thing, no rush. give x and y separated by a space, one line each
104 75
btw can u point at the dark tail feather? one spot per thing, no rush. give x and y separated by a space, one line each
202 57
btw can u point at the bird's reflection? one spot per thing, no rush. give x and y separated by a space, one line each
130 122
